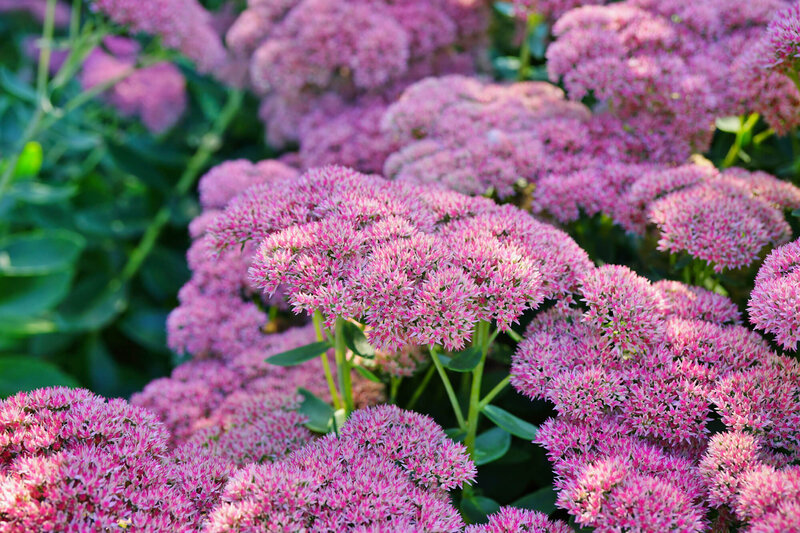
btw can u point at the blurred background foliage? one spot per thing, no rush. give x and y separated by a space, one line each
93 220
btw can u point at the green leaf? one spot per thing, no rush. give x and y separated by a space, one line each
27 296
456 434
355 340
24 373
319 413
477 508
30 161
491 445
16 87
504 8
17 326
36 193
465 361
367 374
796 212
148 327
113 220
91 305
543 500
104 373
513 424
301 354
729 124
39 252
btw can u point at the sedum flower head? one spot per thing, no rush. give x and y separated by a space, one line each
417 266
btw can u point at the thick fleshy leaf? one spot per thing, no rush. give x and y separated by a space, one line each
30 161
356 341
39 252
36 193
465 361
477 508
320 414
729 124
543 500
367 374
27 296
300 355
511 423
491 446
91 305
25 373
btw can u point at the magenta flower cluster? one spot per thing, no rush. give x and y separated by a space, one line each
664 66
184 25
774 305
72 461
637 377
461 134
156 94
388 469
415 265
320 65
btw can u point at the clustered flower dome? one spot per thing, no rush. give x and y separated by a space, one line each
388 469
417 266
637 383
228 400
156 94
475 137
774 305
184 25
70 459
320 65
665 66
459 133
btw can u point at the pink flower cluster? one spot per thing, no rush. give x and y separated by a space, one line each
774 305
156 94
754 484
512 520
201 394
765 75
459 133
70 460
467 135
219 312
662 66
388 469
321 64
637 379
725 218
184 25
417 266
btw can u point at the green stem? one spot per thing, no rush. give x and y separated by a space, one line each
343 366
394 388
75 20
736 148
494 392
482 341
326 366
421 388
516 337
448 387
45 52
208 145
525 49
792 74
